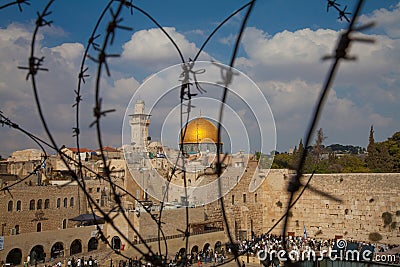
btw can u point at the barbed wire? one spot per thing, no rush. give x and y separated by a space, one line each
36 64
19 3
340 54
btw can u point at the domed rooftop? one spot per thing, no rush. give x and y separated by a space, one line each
200 130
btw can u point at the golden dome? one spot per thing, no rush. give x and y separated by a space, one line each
200 130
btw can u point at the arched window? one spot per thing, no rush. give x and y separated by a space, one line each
39 204
16 229
19 205
32 204
116 242
71 202
47 204
65 202
39 227
58 203
93 244
10 205
64 224
76 247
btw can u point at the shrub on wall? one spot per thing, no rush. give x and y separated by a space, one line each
387 218
374 237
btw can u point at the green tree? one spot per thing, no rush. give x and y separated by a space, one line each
382 156
281 161
393 145
318 148
371 149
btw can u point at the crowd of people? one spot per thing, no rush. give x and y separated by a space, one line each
252 247
81 262
270 243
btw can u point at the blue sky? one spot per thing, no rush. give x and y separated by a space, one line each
280 52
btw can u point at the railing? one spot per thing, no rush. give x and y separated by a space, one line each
156 239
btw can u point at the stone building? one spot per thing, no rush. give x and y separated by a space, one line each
25 162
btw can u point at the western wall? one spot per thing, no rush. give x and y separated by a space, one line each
370 204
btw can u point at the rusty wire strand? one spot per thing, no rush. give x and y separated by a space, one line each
17 2
6 121
34 66
98 113
221 113
341 53
81 78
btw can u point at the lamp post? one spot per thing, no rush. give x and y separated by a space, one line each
3 225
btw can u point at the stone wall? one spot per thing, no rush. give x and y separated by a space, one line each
51 218
173 221
364 200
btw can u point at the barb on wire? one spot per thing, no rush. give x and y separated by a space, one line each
342 12
345 40
331 3
102 59
41 21
130 6
82 75
34 66
226 74
17 2
92 42
113 25
187 69
98 113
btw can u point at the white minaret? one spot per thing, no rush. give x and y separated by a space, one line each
139 127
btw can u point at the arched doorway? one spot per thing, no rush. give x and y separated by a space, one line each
93 244
206 247
182 252
76 247
37 254
14 256
116 242
57 250
195 250
218 246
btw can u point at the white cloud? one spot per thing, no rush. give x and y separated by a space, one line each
196 32
70 51
286 66
288 69
153 50
387 20
56 92
228 40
